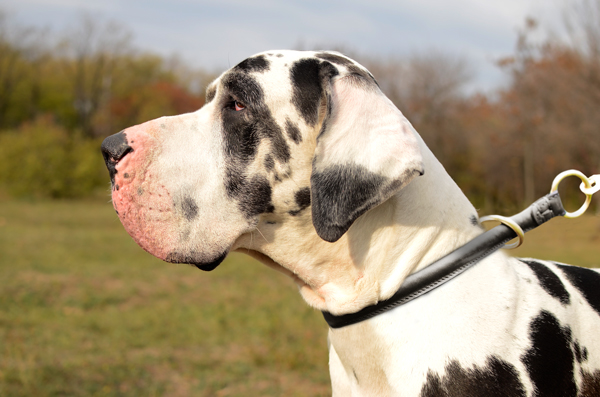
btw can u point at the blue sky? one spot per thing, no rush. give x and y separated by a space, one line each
216 34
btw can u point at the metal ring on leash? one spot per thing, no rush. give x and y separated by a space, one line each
510 223
587 188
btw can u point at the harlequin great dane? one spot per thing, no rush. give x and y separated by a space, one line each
299 160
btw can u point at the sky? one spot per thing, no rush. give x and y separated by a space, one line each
218 34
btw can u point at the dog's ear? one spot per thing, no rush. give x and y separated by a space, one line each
366 151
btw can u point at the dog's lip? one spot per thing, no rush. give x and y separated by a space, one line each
175 257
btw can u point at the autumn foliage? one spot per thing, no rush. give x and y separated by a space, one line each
502 147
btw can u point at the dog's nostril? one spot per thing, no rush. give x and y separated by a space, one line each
114 148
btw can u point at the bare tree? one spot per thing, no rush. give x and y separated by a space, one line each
92 52
429 88
554 97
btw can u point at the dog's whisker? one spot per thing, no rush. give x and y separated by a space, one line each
263 236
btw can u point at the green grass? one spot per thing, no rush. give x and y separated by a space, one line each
573 241
85 312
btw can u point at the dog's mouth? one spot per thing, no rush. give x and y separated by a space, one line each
195 259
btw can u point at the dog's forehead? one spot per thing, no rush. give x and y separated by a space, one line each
273 69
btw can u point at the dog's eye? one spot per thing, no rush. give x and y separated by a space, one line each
238 106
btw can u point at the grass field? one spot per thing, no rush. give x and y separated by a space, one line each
85 312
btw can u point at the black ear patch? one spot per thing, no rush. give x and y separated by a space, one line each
340 194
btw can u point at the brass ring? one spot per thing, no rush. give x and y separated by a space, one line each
586 183
510 223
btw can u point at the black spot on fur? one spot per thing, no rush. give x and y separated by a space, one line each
241 137
474 220
279 146
302 198
307 77
307 89
549 281
257 197
243 130
590 384
189 208
581 354
253 194
496 379
244 88
586 281
256 64
550 359
269 163
293 131
342 193
243 133
196 259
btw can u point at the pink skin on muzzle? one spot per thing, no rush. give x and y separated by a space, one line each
143 204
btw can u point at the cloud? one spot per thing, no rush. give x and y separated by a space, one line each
216 34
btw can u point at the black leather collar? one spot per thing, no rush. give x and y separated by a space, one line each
456 262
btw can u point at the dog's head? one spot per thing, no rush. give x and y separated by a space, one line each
285 137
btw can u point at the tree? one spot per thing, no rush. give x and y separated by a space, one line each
552 103
91 53
22 51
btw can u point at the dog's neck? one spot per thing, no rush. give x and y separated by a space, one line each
425 220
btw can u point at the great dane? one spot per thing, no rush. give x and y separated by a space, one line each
299 160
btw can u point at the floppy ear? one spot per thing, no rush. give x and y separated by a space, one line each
365 153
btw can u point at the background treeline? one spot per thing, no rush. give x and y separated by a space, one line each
59 96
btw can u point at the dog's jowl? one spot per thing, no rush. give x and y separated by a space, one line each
304 150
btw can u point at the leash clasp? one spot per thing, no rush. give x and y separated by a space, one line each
588 186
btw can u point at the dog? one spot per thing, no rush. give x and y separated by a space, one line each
299 160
